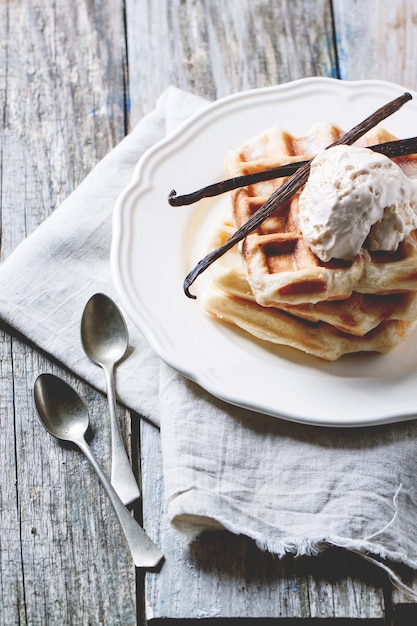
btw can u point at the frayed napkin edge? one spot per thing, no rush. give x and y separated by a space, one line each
297 547
193 523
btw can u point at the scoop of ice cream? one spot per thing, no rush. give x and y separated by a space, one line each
351 193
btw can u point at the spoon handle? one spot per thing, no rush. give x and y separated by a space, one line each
122 477
144 552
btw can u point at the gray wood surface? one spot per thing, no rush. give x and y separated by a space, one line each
214 48
74 78
62 77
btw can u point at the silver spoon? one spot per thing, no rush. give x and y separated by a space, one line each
65 416
105 340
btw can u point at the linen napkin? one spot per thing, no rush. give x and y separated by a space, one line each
292 488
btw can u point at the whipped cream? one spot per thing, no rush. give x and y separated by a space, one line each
353 193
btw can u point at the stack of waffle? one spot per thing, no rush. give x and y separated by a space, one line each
274 287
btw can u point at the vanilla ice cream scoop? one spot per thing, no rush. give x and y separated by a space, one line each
351 193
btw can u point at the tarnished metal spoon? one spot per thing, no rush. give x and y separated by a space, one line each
105 340
65 416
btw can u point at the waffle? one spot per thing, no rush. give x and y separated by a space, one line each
280 267
356 315
318 339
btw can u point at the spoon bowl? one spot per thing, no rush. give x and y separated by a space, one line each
104 333
105 340
60 409
64 415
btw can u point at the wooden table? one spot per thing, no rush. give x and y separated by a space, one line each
75 77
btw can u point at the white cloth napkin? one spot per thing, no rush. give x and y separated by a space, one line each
290 487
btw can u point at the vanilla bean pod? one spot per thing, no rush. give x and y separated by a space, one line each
391 149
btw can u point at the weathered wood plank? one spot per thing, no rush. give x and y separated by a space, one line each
377 40
11 580
62 86
216 48
64 77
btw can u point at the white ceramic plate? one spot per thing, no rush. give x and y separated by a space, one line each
155 246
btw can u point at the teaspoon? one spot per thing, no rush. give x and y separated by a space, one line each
105 340
64 415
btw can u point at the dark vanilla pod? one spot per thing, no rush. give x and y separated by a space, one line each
391 149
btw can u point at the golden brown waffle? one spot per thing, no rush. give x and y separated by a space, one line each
319 339
357 315
280 266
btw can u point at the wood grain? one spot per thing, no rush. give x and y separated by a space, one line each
377 40
215 48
